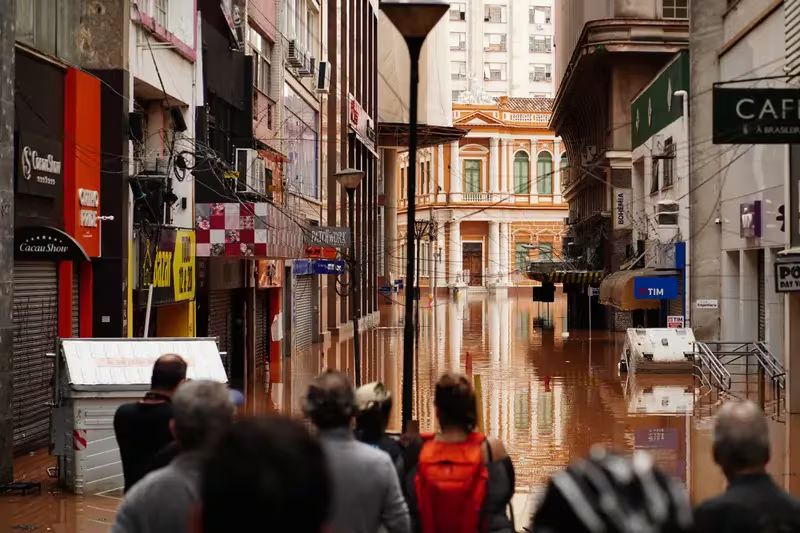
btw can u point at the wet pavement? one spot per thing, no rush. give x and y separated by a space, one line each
549 398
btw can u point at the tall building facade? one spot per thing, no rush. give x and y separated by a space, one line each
502 48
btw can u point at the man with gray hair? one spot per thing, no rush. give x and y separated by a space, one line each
753 503
164 499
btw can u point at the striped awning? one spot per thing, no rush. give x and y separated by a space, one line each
576 277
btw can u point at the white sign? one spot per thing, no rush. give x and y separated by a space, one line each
362 124
675 321
787 276
594 291
622 207
706 304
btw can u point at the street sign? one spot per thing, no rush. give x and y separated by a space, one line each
675 322
756 116
787 276
655 288
706 304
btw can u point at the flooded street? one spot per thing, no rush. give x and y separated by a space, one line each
549 399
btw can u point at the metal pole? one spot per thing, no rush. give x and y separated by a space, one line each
414 48
7 18
355 296
148 311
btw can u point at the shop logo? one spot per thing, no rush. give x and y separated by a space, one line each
43 244
32 161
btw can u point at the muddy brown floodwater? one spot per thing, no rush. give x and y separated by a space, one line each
549 398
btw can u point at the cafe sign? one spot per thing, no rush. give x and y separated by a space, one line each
39 165
756 116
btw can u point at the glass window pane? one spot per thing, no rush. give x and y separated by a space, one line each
544 173
521 173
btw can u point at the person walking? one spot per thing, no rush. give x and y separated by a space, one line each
609 493
164 499
266 474
459 481
366 490
752 503
373 407
142 428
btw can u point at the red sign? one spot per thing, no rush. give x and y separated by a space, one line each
82 159
675 322
319 252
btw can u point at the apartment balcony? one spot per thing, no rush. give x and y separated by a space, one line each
483 198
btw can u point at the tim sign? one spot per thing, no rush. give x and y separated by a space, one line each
787 276
655 288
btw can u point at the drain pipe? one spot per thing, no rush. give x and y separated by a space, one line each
684 95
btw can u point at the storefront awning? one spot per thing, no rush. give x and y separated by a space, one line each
617 290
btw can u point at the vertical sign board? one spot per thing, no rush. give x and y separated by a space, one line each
622 208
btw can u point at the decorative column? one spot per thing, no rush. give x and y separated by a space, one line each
504 167
439 256
454 257
455 173
494 167
440 196
390 210
494 253
557 148
504 263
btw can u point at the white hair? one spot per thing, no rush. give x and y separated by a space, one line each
202 411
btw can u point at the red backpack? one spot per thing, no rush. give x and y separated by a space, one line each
451 485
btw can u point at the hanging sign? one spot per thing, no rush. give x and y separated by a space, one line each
169 266
756 116
622 205
39 165
44 243
361 123
328 237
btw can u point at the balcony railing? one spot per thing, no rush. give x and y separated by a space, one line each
476 197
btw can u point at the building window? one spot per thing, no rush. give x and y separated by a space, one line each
523 256
457 95
261 49
472 175
654 178
458 11
675 9
540 44
544 252
544 173
301 141
494 71
669 162
160 11
50 27
541 72
458 40
540 15
458 70
494 42
563 166
494 13
522 173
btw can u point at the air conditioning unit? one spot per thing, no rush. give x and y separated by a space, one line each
294 55
252 172
667 213
322 77
662 256
306 70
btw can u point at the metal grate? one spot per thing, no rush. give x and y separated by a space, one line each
219 324
303 312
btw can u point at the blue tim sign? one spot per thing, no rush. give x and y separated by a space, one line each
655 288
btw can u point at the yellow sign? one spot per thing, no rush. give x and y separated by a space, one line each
183 270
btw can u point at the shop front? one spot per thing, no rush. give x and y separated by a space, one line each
649 295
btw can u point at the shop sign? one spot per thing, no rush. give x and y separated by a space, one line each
750 220
756 116
170 267
675 322
622 205
328 237
706 304
787 276
655 288
361 123
39 165
319 252
44 243
325 267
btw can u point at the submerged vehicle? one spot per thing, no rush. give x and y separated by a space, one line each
663 350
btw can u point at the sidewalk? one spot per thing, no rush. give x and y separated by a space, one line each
53 510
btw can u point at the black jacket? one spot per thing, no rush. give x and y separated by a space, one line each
752 504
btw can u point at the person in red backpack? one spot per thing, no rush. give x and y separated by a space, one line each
458 480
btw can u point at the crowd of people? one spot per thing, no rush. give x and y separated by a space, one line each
191 464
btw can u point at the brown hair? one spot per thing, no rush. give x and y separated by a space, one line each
455 402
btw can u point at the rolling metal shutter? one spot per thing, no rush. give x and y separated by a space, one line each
35 330
261 329
762 298
76 303
219 324
303 309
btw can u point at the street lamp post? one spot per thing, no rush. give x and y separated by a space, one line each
414 20
350 179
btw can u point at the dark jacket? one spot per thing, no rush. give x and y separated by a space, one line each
752 504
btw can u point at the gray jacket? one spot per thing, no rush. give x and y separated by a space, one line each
366 491
163 500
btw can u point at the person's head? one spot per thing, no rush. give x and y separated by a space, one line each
741 439
615 494
373 407
201 412
169 371
329 402
455 403
265 469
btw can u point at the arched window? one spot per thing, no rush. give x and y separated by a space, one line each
522 173
564 165
544 173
